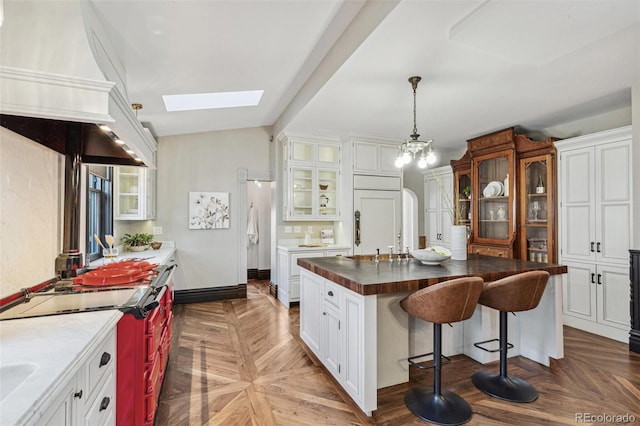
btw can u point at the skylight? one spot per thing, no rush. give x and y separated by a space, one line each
212 100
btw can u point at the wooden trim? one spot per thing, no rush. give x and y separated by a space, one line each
258 274
210 294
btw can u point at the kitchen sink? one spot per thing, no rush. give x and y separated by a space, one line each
12 376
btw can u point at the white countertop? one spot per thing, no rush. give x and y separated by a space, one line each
55 345
296 247
160 256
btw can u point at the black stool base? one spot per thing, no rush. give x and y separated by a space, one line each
444 409
506 388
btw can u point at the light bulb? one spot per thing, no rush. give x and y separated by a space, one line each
422 162
399 163
431 157
406 158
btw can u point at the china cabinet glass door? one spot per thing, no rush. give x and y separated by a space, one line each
494 221
463 197
536 211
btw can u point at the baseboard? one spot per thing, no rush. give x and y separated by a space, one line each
258 274
273 289
634 340
603 330
211 294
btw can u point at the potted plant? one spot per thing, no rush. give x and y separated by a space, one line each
137 242
467 191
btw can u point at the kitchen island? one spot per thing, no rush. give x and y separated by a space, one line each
351 319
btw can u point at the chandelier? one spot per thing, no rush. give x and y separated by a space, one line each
410 147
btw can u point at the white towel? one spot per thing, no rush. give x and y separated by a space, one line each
252 226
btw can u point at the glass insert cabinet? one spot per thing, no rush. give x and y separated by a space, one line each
311 175
493 220
537 218
512 181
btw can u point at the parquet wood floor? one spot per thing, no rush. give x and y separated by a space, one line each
241 362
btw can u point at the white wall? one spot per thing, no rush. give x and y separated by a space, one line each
207 162
31 187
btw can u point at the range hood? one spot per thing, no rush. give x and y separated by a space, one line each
58 70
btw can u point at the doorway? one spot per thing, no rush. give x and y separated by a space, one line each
259 230
410 219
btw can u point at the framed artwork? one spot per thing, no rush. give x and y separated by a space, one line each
208 210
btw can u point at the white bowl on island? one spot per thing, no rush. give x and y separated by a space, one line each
434 255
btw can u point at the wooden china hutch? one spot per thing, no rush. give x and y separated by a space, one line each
505 191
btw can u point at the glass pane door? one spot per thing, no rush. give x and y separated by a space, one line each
493 204
536 208
328 194
302 191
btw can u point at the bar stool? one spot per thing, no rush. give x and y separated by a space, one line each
516 293
445 302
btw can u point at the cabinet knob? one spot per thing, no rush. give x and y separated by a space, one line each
78 394
104 359
330 293
104 403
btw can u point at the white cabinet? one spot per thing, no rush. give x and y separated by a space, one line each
438 196
311 173
332 324
134 193
289 272
375 158
595 205
313 193
89 396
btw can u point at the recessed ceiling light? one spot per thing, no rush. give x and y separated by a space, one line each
212 100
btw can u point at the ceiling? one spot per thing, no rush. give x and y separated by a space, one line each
341 67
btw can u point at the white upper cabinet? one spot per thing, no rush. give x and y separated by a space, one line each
311 179
134 193
595 191
375 158
438 195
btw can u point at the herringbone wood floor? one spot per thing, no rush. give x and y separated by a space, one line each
241 362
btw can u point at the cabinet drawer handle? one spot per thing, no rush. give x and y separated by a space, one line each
104 359
78 394
500 254
105 403
599 279
592 244
330 293
598 247
593 278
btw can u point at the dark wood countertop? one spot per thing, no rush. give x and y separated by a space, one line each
367 278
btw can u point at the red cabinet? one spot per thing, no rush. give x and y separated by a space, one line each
143 352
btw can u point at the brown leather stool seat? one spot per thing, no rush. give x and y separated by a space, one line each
446 302
516 293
